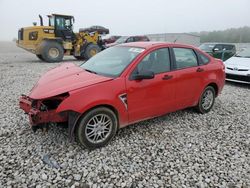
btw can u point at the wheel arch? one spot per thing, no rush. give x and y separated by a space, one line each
44 40
78 119
215 86
103 105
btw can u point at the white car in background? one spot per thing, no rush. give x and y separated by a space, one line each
238 67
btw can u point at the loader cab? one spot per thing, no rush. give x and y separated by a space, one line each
63 25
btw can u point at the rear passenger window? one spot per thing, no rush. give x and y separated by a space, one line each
204 59
184 58
157 61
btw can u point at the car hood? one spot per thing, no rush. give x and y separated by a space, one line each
239 62
64 78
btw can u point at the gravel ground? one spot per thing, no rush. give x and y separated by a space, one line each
181 149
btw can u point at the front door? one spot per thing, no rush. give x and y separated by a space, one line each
151 97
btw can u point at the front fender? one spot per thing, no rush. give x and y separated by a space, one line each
103 94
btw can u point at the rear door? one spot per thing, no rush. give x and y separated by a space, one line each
189 79
151 97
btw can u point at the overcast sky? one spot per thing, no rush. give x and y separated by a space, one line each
127 17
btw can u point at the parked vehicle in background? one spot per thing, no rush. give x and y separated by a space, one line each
51 43
111 39
126 39
95 28
219 50
122 85
238 67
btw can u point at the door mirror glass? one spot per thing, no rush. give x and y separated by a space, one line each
143 75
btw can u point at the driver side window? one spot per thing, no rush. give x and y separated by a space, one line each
63 23
157 61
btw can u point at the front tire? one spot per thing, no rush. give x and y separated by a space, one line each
96 128
206 100
52 51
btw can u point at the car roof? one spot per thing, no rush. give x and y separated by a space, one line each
147 45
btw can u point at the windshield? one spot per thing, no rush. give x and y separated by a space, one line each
244 53
207 47
121 40
112 61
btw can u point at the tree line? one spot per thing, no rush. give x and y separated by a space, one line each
233 35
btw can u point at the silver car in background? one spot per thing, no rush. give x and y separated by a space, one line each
238 67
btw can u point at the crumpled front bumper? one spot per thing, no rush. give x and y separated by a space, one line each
36 116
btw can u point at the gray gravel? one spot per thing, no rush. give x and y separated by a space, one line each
181 149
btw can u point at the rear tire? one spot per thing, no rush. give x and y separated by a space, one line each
52 51
206 100
91 50
96 128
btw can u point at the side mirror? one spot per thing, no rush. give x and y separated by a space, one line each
216 49
143 75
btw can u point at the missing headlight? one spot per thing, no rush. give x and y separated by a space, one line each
53 102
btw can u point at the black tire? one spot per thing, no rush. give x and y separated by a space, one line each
40 57
91 50
79 57
204 106
52 51
85 128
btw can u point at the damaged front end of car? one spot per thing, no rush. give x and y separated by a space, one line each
42 112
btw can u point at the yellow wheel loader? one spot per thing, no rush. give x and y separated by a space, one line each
51 43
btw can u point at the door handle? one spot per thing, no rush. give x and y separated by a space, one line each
167 77
200 70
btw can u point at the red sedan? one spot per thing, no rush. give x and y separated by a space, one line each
122 85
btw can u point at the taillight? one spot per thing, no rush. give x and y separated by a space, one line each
223 66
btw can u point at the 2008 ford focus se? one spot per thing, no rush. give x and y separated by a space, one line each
123 85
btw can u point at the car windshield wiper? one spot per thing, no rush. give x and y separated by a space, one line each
90 71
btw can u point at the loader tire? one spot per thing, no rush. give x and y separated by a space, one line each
52 51
79 57
91 50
